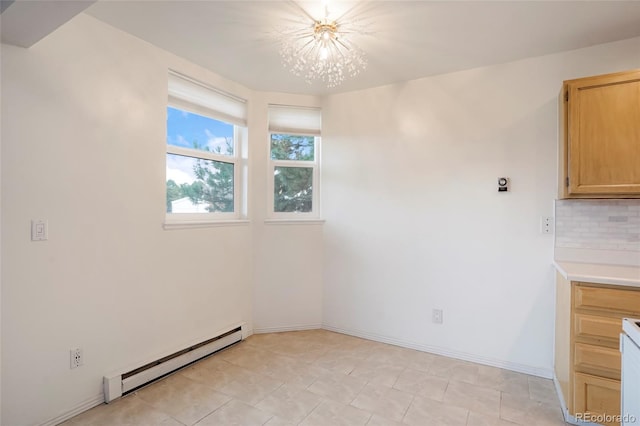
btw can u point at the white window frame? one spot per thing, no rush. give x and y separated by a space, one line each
298 121
238 159
315 165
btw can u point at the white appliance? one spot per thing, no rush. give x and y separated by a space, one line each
630 348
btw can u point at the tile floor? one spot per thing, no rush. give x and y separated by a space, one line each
322 378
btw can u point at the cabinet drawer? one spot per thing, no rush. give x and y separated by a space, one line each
596 397
596 327
609 299
605 361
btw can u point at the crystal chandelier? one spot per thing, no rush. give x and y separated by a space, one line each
322 50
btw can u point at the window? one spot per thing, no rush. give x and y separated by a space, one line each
206 153
294 175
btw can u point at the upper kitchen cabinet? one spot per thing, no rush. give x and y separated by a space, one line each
600 137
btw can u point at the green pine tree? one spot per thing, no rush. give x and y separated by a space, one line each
174 192
215 182
293 186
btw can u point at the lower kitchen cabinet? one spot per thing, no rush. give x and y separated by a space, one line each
587 357
597 396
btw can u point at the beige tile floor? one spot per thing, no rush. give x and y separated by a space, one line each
322 378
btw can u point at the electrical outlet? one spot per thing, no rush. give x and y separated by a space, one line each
76 358
436 316
546 225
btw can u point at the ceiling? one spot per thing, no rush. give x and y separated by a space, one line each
404 40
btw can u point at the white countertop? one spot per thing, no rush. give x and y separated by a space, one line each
599 273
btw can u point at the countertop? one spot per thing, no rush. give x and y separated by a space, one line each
599 273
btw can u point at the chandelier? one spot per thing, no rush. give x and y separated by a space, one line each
322 49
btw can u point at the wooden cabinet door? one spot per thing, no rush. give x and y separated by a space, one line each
597 398
603 132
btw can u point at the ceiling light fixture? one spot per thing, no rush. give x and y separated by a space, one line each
322 49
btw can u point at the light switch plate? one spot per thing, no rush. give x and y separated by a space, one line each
39 230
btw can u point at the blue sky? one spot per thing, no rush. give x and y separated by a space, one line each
183 128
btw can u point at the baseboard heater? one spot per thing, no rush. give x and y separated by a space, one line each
119 384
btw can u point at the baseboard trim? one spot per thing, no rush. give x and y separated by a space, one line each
520 368
80 408
563 406
263 330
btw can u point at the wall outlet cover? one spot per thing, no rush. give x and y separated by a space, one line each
76 358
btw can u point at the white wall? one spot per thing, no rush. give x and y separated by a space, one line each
414 219
287 258
287 277
84 131
84 117
0 252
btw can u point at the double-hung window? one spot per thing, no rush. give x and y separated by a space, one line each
294 162
206 153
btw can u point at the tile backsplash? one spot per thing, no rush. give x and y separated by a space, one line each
598 224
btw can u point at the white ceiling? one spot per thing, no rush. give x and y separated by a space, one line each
406 40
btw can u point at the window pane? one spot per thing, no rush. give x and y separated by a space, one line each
292 147
293 189
198 186
189 130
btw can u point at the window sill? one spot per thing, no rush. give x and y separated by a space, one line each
170 225
294 221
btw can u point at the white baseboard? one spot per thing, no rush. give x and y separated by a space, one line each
520 368
563 406
80 408
263 330
534 371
